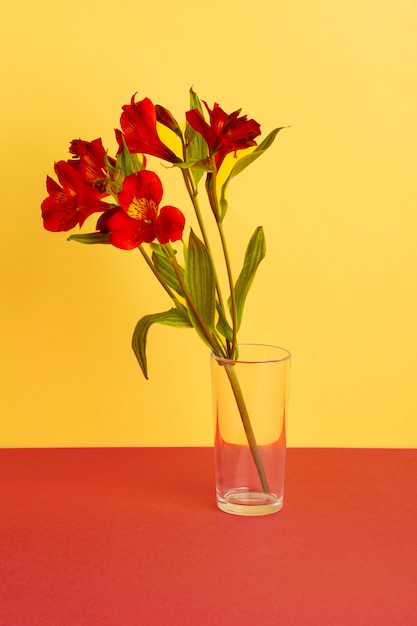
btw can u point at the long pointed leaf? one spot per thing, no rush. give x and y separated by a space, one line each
195 102
164 269
90 238
223 326
201 284
255 252
127 162
173 317
197 149
196 165
243 162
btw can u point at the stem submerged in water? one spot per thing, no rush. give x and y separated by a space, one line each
250 435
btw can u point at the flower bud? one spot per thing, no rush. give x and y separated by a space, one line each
166 118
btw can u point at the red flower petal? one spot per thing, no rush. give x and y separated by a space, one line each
71 203
225 133
92 159
144 186
197 121
170 224
59 213
138 122
137 219
127 233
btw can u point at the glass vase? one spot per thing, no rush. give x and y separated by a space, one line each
249 403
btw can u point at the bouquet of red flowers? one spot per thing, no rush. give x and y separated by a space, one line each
127 196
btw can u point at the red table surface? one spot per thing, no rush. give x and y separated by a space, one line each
126 536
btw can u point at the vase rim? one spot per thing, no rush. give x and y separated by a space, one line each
285 355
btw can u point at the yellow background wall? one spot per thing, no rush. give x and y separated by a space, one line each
336 195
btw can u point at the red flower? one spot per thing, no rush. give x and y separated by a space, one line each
92 160
69 204
225 133
138 122
138 219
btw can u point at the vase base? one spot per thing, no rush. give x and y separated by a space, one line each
249 503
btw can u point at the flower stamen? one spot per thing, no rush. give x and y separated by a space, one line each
140 208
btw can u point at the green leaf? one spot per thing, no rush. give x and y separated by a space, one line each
194 165
128 163
243 162
223 326
200 281
90 238
197 149
173 317
255 252
164 269
195 102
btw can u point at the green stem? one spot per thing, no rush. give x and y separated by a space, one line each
233 310
231 373
250 435
152 267
232 290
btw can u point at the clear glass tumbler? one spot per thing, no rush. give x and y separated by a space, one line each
250 396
